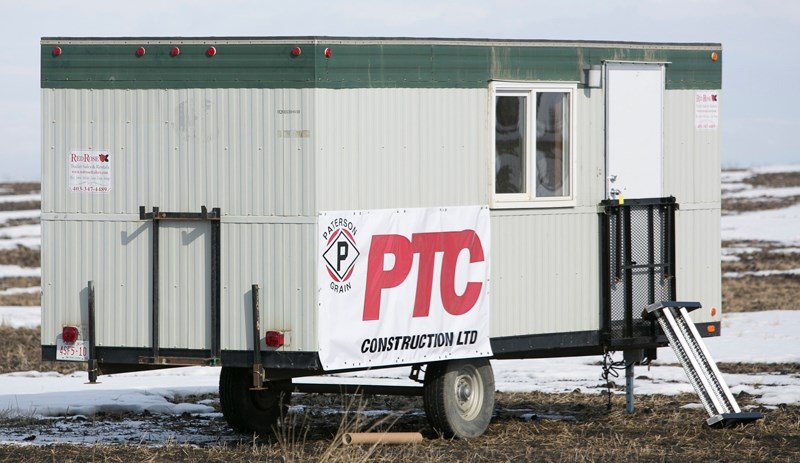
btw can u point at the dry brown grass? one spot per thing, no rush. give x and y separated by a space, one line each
750 293
764 180
20 350
20 188
578 429
20 256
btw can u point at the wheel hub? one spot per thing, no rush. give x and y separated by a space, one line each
468 393
464 390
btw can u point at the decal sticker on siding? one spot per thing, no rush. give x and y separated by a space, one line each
706 110
89 171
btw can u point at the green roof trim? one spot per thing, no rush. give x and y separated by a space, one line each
355 64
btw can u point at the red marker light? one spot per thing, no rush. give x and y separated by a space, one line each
69 334
57 52
274 339
714 56
211 52
174 51
296 51
328 52
140 52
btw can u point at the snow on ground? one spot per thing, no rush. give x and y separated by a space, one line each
20 317
755 337
17 271
20 198
29 236
781 225
5 216
758 337
752 193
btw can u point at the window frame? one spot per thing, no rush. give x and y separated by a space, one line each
529 90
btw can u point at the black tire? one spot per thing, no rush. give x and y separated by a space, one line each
249 411
459 397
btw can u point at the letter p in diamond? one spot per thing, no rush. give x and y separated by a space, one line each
341 255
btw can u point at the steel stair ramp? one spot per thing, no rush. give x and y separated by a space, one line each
673 316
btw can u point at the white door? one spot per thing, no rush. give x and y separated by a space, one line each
634 130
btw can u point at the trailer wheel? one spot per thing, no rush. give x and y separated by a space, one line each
459 397
249 411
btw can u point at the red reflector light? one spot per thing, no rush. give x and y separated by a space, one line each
296 51
174 51
57 52
140 52
328 52
69 334
211 51
273 339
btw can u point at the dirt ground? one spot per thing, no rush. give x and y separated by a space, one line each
542 427
526 427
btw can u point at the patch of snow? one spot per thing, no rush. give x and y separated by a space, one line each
780 225
17 271
21 231
20 317
776 169
735 176
764 193
733 187
31 242
785 251
5 216
12 291
761 273
20 198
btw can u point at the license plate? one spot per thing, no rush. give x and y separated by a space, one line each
77 351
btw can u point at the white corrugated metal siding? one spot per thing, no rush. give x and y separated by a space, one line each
545 273
281 259
247 151
180 149
271 159
691 156
396 147
116 255
692 175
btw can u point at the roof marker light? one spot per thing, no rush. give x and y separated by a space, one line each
211 51
57 51
328 52
714 56
296 51
174 51
140 52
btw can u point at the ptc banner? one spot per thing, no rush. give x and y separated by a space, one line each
403 286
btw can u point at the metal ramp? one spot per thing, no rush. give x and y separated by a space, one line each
697 363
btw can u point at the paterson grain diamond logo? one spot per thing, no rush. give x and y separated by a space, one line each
341 253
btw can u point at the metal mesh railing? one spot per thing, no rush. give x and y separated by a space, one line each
638 264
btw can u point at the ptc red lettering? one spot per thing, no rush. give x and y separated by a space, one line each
426 246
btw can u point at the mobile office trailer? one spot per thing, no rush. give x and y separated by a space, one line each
286 207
